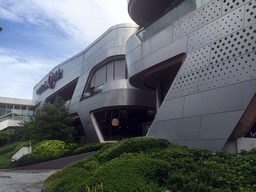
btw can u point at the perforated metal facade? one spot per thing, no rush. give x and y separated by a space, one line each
215 83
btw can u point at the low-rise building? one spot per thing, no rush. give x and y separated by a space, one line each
13 111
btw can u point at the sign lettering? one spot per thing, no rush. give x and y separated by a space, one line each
51 81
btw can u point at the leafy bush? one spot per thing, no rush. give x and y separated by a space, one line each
90 147
27 160
128 175
133 145
7 148
5 137
50 149
71 176
139 164
51 122
3 141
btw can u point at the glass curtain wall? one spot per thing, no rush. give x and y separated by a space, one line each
172 14
15 112
114 70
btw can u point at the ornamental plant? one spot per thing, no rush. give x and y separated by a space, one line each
51 122
52 149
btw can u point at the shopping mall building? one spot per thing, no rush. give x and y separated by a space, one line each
186 72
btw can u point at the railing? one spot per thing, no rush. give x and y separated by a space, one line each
170 17
13 117
5 117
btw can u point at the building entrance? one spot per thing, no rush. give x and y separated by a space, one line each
116 124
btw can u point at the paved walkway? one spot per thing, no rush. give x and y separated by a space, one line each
56 164
30 178
23 180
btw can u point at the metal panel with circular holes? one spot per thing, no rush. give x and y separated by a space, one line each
236 70
230 5
184 85
250 10
196 60
217 29
197 19
236 44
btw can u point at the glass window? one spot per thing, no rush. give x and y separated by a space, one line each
186 7
92 81
100 76
172 14
198 3
98 89
120 69
2 110
110 71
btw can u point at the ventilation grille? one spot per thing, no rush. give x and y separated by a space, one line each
196 60
229 5
233 71
217 29
197 19
250 10
184 85
241 42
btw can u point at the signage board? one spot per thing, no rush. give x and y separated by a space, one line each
53 77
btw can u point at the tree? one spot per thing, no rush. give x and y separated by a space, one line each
51 122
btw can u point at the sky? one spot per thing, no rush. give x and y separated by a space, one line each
40 34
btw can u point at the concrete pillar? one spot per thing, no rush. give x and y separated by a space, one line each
27 112
13 107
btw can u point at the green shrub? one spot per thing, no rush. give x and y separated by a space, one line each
252 152
133 145
7 148
3 141
90 147
5 137
151 164
27 160
50 149
69 149
71 176
128 175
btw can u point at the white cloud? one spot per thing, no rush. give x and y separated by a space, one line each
5 14
67 25
17 86
6 59
85 20
20 73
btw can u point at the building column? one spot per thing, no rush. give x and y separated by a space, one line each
13 107
26 112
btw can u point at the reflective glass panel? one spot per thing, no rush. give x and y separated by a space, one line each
100 76
110 71
120 69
